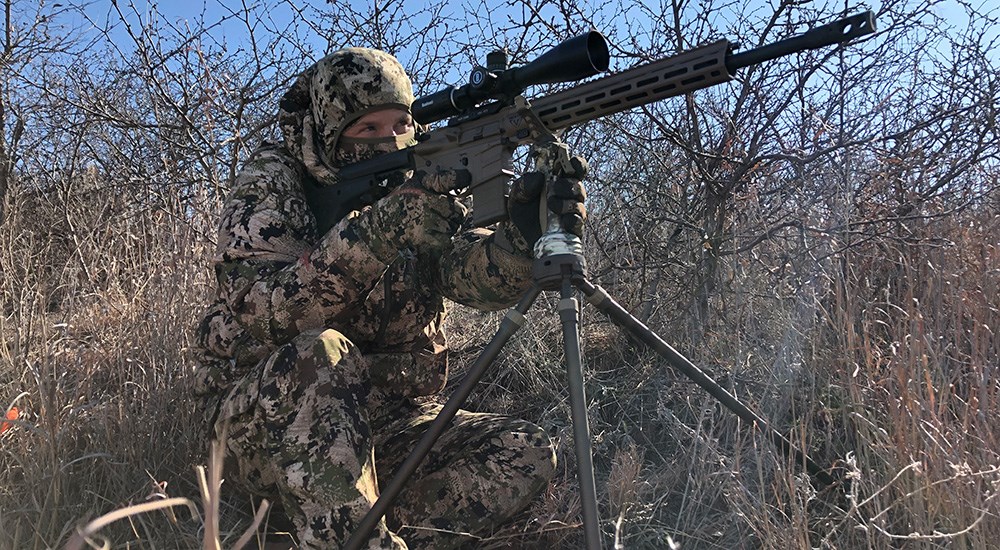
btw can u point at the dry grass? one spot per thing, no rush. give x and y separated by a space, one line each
99 302
893 377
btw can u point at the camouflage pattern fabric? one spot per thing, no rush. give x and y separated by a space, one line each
308 327
313 432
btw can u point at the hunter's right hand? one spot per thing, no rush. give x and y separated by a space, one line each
411 217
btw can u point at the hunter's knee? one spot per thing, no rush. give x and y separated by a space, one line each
318 360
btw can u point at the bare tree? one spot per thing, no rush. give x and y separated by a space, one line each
27 41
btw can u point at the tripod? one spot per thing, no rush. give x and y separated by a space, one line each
565 271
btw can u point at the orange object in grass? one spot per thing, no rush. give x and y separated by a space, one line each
11 415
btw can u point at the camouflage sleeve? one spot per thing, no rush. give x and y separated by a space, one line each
480 273
275 281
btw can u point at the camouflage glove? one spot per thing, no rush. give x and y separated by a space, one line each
410 217
567 195
565 198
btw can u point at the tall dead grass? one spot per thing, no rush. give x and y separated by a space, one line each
99 298
912 362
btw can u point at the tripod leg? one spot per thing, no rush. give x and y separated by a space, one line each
513 321
569 313
600 299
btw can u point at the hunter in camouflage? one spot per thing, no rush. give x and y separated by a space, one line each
321 349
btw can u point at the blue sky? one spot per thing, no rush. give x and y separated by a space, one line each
278 14
275 15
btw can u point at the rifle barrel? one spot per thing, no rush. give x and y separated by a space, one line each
826 35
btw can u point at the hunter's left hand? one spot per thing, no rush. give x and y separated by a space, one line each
566 197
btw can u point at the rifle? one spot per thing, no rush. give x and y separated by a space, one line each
490 118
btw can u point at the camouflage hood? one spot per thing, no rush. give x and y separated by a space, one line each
331 95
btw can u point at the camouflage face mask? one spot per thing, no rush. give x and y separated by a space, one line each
352 149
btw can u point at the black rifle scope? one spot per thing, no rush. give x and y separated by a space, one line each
578 57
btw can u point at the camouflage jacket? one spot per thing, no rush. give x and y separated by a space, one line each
277 277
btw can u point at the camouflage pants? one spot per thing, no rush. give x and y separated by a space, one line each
307 429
